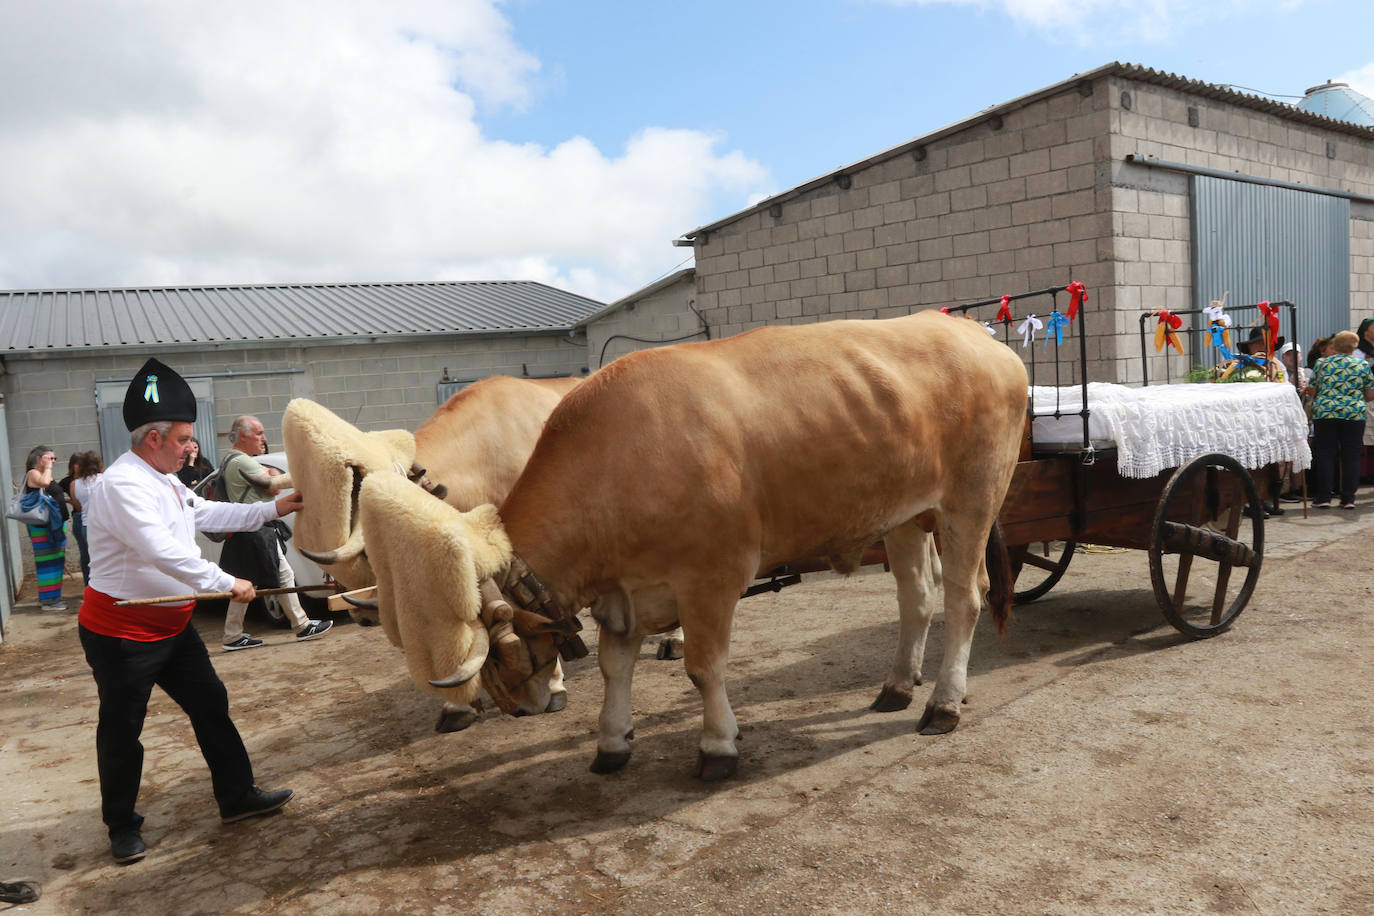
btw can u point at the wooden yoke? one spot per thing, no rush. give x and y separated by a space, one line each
530 594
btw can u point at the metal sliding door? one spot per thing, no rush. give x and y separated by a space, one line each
1267 243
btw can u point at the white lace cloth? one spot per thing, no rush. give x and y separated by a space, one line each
1164 426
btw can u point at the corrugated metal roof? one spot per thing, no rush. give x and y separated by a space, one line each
1081 80
35 321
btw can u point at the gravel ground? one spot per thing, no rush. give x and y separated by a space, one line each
1104 764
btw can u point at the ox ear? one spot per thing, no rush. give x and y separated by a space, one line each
429 559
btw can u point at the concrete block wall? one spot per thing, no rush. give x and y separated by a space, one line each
1361 268
394 388
987 211
1234 139
50 400
1151 266
657 318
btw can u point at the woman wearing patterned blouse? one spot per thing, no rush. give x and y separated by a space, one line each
1343 384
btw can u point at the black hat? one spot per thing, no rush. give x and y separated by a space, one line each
158 393
1257 337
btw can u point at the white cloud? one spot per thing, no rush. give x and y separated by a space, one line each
151 142
1361 80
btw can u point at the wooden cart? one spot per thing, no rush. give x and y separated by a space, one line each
1209 511
1201 524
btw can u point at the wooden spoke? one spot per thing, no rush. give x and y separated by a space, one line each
1200 537
1052 560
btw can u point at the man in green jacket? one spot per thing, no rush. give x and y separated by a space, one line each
260 550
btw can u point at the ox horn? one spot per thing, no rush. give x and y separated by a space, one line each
367 604
469 669
350 550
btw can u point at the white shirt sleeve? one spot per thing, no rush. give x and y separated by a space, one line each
217 516
141 529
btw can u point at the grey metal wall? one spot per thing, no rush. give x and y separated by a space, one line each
1267 243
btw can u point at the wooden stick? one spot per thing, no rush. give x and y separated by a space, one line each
337 602
210 596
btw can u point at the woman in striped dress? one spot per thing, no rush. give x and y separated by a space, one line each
49 542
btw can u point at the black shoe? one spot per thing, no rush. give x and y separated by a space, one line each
1290 497
127 847
253 803
313 629
1274 510
19 891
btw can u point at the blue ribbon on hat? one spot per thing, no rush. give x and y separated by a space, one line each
150 392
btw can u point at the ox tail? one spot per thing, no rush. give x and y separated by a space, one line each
1000 581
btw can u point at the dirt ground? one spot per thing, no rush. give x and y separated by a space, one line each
1104 764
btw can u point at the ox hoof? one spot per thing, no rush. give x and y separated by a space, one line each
610 762
715 767
455 720
669 649
891 700
557 702
937 722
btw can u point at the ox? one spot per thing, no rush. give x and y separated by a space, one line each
474 446
669 480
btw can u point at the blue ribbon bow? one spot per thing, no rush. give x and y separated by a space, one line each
1218 333
1056 326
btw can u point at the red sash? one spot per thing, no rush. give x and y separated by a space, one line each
141 622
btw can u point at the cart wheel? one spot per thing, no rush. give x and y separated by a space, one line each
1200 516
1030 562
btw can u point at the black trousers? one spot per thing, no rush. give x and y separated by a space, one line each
125 671
1336 441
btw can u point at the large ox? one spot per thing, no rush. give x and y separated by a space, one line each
472 448
673 477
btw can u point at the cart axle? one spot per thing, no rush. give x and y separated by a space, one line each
1210 545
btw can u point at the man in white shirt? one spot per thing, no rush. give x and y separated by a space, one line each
141 523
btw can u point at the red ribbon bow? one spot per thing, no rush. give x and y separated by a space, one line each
1271 319
1004 312
1164 331
1078 294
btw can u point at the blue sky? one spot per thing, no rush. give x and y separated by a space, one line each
806 87
152 142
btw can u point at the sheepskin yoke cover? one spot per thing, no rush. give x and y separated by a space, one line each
429 559
324 451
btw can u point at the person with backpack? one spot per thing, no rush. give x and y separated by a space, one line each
258 556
